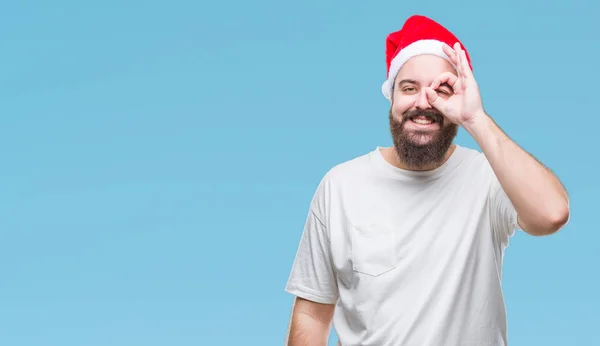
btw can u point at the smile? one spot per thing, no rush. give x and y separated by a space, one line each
423 121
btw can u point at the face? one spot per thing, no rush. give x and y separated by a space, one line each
422 135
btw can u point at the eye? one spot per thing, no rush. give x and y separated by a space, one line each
443 92
409 89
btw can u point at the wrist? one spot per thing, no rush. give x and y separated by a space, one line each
478 124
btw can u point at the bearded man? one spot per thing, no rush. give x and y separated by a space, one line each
404 245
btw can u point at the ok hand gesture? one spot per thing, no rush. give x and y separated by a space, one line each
465 105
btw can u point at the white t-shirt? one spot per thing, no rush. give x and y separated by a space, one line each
409 258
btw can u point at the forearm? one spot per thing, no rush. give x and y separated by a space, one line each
310 323
536 193
307 331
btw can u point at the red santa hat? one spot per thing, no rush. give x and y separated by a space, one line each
419 35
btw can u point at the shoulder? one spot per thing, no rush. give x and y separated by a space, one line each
473 160
474 171
348 170
342 174
470 154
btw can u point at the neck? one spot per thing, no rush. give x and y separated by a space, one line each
391 156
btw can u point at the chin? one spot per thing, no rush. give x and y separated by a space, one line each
422 139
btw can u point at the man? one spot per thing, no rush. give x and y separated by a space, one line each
404 245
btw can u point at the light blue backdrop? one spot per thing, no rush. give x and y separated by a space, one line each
158 158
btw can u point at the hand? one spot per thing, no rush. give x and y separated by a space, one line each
464 105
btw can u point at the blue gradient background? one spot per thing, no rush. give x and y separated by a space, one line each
158 158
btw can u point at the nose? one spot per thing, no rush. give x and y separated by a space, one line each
421 102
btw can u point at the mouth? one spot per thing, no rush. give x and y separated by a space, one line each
423 121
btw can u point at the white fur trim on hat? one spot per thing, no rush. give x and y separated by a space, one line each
420 47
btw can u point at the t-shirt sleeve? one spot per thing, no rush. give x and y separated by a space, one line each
312 276
502 212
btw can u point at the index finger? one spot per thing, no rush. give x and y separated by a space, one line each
450 53
446 77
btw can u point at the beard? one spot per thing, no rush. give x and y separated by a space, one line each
410 147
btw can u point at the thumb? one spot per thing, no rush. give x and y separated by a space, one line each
435 100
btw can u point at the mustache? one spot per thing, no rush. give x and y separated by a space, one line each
431 114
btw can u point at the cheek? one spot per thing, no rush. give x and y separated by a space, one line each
400 107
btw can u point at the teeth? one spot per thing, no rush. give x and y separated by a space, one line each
422 121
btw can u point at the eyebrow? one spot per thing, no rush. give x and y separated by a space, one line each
407 81
447 86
